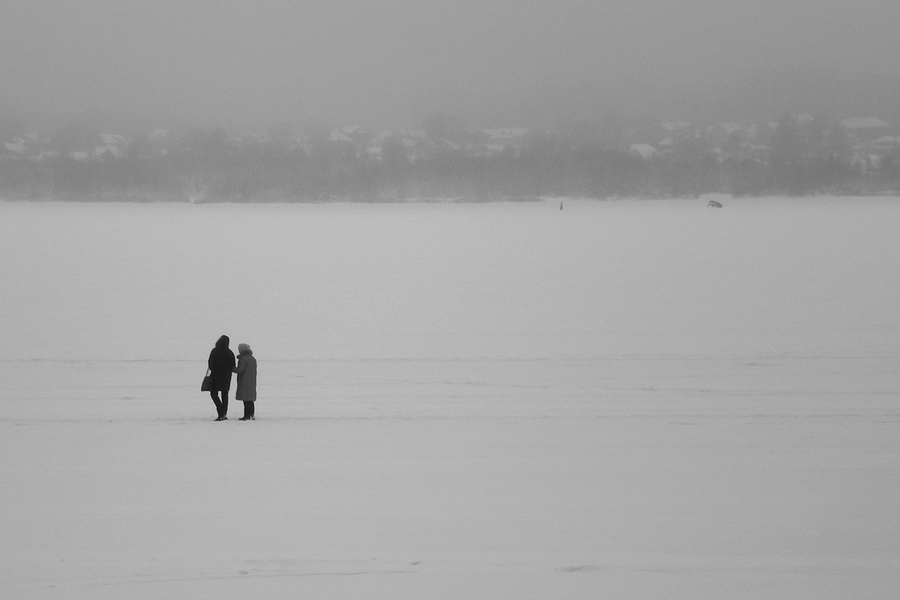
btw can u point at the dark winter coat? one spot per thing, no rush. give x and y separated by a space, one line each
221 364
246 377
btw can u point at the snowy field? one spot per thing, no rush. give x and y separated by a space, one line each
622 400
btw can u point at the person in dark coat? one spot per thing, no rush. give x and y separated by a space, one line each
221 364
246 381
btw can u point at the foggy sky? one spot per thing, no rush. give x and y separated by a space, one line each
392 62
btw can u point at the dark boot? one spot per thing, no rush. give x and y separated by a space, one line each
218 403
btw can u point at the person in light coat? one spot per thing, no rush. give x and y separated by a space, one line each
246 381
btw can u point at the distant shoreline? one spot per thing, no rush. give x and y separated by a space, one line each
163 199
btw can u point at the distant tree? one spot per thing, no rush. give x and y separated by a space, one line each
837 142
441 126
211 145
689 167
612 132
786 141
140 147
581 133
281 135
733 144
11 127
749 177
76 138
787 155
396 163
889 169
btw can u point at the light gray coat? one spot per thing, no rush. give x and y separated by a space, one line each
246 377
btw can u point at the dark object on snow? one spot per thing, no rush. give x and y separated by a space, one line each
714 204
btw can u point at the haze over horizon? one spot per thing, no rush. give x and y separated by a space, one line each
392 62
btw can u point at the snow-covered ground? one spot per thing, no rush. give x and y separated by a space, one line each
622 399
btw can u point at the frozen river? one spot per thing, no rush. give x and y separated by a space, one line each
623 399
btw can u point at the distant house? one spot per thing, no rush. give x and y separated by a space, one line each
677 128
427 148
353 131
643 151
728 135
866 129
353 137
339 136
391 144
499 140
506 134
374 153
15 148
112 146
665 146
887 143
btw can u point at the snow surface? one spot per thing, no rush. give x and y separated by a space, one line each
622 399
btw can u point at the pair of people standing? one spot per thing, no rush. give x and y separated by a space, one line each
221 366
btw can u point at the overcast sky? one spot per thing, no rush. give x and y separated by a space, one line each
389 61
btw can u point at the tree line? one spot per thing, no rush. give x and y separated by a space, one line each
448 161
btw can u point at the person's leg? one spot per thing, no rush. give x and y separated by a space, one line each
252 410
246 411
224 404
216 401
